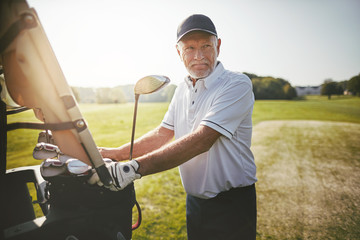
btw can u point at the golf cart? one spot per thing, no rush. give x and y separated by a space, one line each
33 80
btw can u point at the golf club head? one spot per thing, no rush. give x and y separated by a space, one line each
146 85
77 167
150 84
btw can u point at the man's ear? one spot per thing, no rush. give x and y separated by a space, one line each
218 46
178 51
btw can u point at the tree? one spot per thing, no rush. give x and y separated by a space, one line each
258 88
354 85
344 84
110 95
103 95
329 87
289 91
272 88
251 75
117 95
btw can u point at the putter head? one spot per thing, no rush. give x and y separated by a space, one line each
150 84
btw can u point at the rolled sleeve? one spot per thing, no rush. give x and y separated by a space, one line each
230 108
167 122
169 117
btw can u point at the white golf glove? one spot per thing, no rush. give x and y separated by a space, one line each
122 173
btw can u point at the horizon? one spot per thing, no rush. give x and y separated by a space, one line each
133 84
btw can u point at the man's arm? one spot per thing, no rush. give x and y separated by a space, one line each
179 151
147 143
164 158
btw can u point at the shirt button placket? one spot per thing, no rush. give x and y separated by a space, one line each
193 97
191 110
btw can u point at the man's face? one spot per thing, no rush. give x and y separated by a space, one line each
199 51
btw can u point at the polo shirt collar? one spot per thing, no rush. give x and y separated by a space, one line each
210 80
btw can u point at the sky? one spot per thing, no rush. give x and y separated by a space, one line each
114 42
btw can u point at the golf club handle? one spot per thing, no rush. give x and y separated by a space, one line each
104 175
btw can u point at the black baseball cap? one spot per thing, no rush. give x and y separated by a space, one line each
196 22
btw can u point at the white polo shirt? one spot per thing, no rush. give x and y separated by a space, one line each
223 101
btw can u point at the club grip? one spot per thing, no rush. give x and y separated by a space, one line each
104 175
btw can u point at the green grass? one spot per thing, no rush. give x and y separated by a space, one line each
341 109
163 199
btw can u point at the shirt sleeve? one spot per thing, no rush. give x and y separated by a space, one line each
230 107
168 120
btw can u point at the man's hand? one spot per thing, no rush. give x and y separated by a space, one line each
122 173
108 153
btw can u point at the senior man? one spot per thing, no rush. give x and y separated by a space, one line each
210 117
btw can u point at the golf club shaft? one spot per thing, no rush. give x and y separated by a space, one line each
133 127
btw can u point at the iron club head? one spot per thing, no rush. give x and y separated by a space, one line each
77 167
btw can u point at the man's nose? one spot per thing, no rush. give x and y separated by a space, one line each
198 54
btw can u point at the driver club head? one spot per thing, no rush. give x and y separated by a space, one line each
145 85
150 84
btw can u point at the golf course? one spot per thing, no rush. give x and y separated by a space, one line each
307 154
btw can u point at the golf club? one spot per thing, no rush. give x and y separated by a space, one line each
77 167
145 85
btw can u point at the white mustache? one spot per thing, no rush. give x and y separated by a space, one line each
196 63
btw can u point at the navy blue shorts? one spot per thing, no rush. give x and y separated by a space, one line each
229 215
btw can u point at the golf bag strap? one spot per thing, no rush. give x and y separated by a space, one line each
3 139
17 110
79 125
137 224
15 29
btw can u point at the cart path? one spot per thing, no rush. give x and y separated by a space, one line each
308 179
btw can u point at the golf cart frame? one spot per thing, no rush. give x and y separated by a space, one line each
72 209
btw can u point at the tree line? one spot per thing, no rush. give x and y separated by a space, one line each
271 88
351 86
120 94
263 87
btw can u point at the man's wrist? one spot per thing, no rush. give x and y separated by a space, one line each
120 154
137 168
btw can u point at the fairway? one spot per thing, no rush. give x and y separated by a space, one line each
309 185
308 170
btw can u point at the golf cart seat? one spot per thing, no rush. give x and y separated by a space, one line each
34 80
